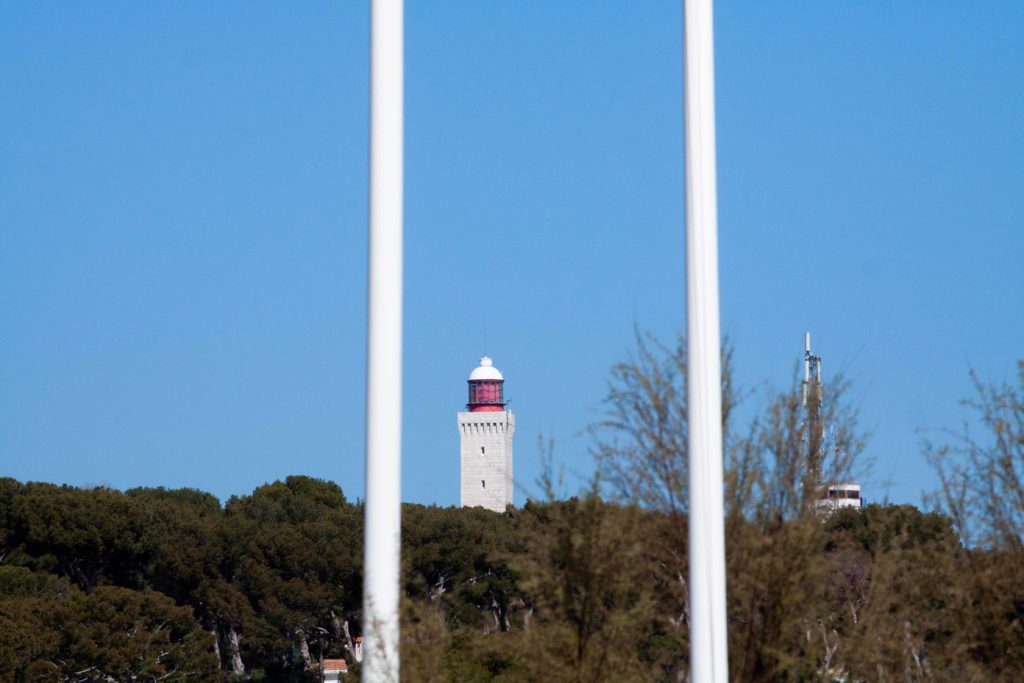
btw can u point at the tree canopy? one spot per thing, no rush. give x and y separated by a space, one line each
155 584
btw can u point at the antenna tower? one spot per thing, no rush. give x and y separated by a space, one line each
812 399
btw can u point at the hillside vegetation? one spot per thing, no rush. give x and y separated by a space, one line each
155 584
152 584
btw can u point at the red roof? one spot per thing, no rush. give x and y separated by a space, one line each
335 665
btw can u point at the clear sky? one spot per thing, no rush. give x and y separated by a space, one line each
183 223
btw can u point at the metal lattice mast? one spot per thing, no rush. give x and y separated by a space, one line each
813 395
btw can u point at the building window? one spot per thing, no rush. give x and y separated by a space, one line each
482 450
483 484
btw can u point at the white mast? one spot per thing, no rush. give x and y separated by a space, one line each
382 530
708 646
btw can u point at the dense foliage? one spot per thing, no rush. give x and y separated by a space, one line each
153 584
156 584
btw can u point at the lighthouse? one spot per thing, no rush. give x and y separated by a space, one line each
485 431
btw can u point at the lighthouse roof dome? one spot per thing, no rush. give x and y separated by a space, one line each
485 371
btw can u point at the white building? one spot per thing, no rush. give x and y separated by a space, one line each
836 496
485 431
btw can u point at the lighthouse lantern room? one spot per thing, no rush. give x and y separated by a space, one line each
486 392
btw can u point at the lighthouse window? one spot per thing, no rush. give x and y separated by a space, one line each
483 484
486 392
482 450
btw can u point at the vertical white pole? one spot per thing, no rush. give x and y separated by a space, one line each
382 540
708 645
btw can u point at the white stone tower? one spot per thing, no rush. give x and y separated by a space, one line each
486 430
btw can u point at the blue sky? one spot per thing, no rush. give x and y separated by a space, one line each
183 212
